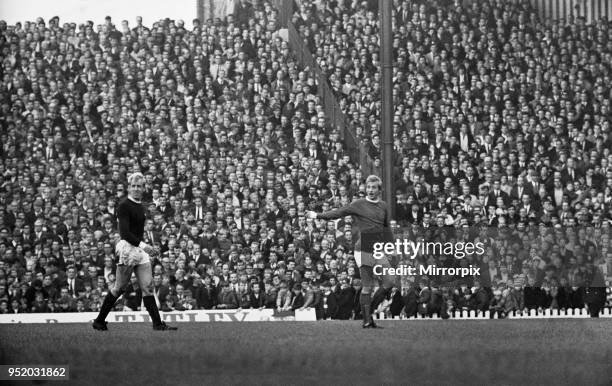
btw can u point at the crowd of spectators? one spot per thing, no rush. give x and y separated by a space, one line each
223 122
501 119
235 146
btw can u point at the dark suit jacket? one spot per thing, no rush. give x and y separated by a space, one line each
210 244
298 301
9 219
329 305
533 187
357 303
514 193
576 297
566 177
483 148
473 184
249 49
203 259
203 212
162 293
488 201
563 297
402 16
402 213
133 297
414 218
156 237
227 300
532 210
188 192
257 302
40 238
411 302
456 176
480 300
78 286
493 198
397 303
206 297
345 303
533 297
273 216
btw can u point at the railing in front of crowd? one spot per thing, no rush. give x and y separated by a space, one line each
547 313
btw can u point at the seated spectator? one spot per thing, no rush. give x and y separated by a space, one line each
256 297
186 301
65 302
206 294
410 300
168 305
284 297
534 296
227 298
4 307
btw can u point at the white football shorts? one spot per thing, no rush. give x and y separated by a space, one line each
130 255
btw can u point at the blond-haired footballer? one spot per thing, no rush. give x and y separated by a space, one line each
371 217
133 256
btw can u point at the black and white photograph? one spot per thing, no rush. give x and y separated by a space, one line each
288 192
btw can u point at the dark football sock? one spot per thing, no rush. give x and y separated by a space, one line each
365 300
151 306
379 296
107 306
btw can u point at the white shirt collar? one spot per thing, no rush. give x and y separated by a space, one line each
134 200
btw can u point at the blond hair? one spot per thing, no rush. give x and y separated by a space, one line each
135 177
374 179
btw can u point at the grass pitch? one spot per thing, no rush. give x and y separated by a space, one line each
495 352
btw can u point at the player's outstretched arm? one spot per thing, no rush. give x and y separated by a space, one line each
332 214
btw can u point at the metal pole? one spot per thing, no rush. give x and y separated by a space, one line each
200 12
386 55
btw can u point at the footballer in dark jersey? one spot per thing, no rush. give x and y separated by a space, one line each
133 255
371 217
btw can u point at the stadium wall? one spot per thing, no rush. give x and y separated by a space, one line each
269 315
80 11
250 315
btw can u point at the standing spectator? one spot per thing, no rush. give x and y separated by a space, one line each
329 303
